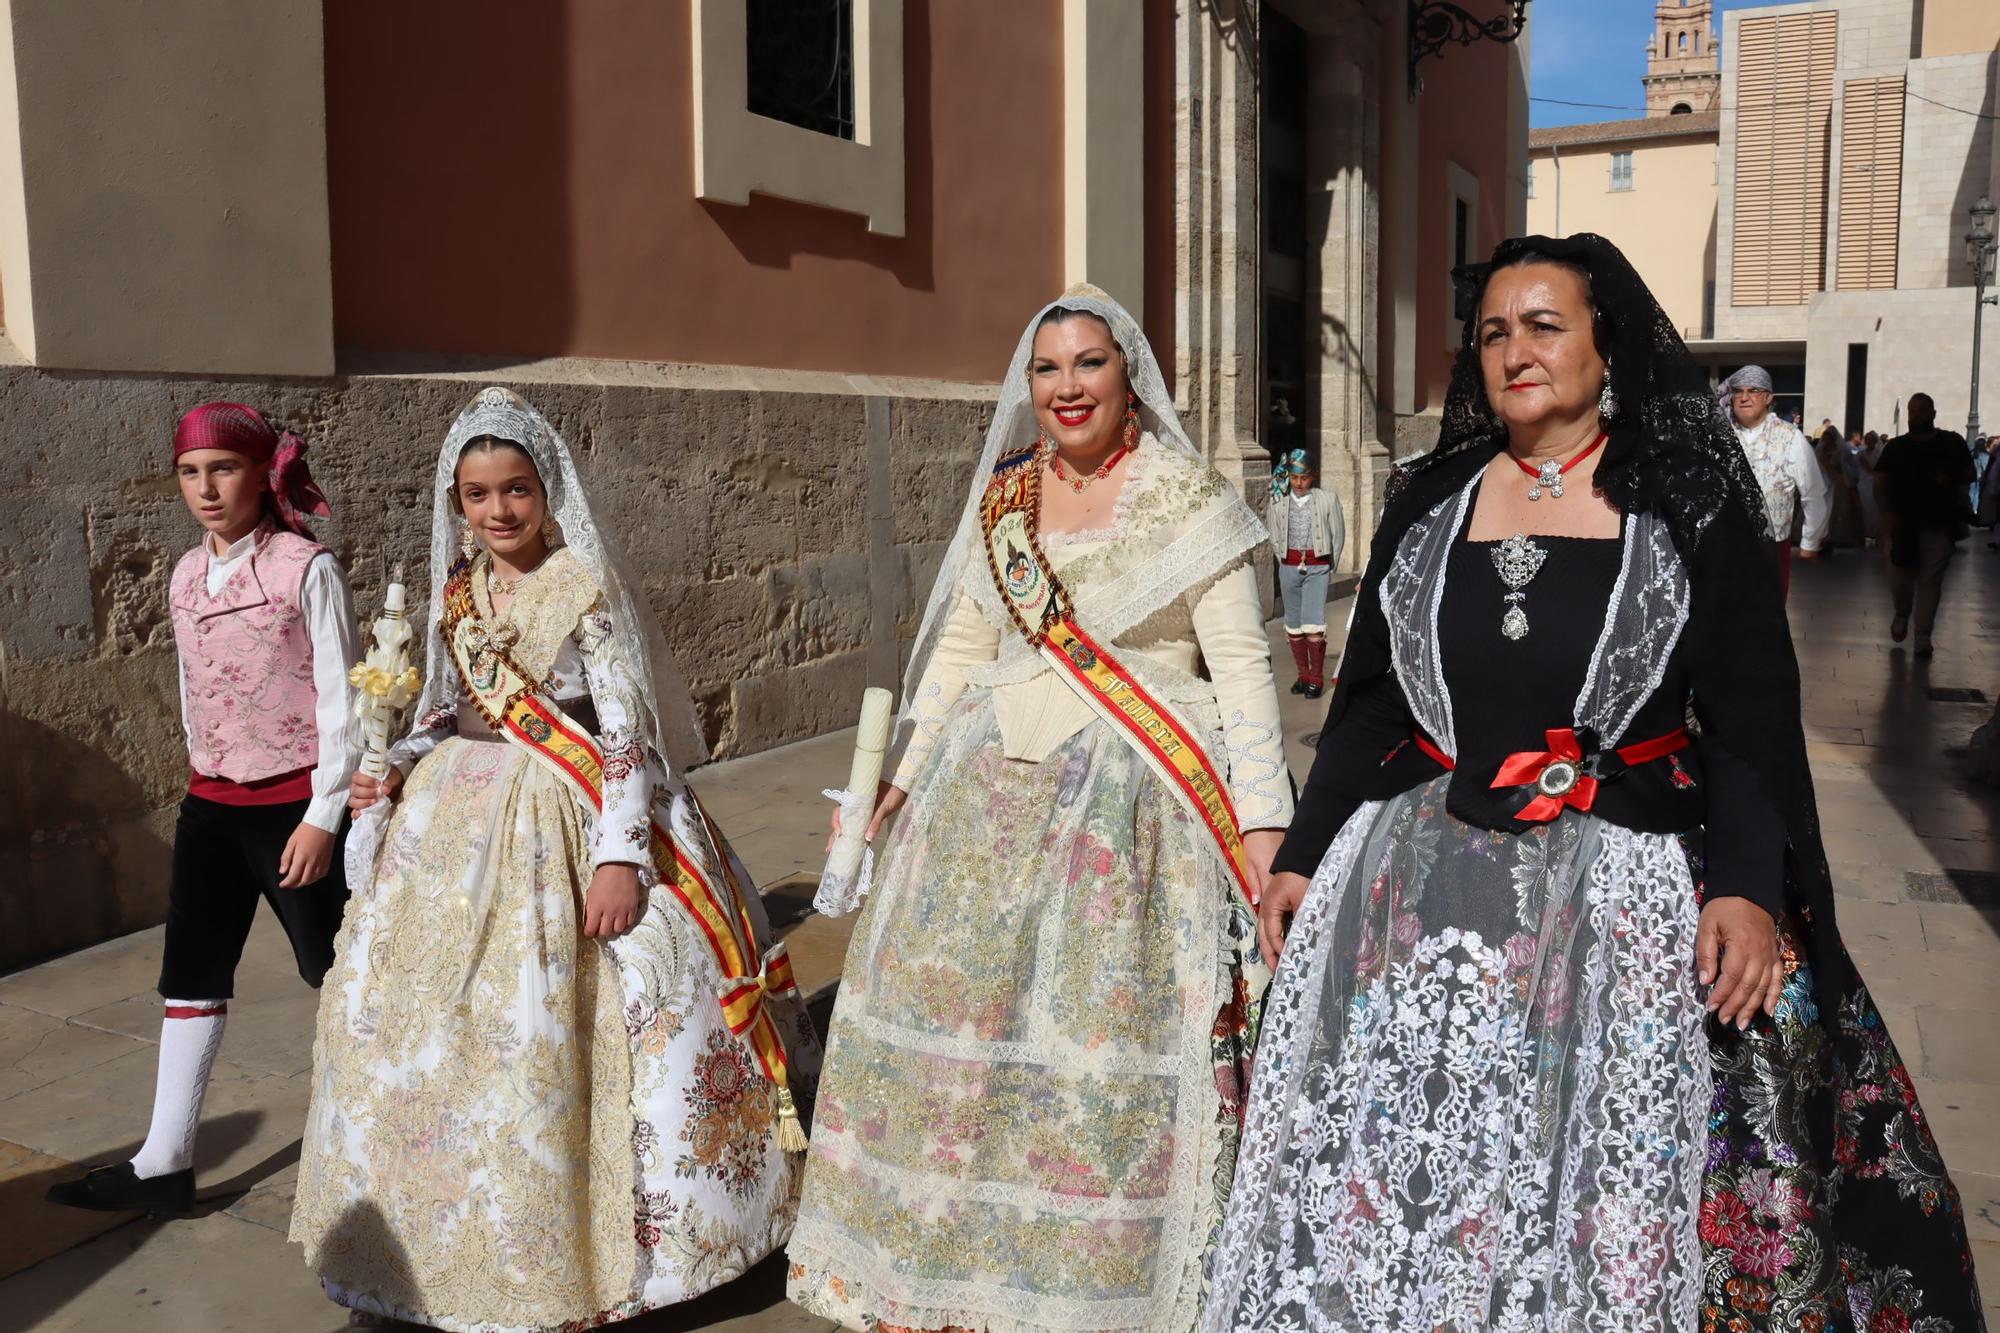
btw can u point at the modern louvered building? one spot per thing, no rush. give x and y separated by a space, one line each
1856 135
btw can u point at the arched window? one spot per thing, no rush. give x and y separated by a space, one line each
1684 43
1681 109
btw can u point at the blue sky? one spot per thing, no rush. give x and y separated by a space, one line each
1593 51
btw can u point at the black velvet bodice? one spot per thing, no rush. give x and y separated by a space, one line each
1506 694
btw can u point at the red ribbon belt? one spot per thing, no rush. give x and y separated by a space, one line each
1558 774
1297 557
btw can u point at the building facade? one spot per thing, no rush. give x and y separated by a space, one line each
1856 135
764 281
1650 186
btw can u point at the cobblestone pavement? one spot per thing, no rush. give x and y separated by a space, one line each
1916 853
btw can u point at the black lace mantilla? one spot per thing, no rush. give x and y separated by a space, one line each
1671 451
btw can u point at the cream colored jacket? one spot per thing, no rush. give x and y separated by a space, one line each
1172 587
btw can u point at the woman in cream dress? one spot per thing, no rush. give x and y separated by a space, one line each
528 1109
1030 1110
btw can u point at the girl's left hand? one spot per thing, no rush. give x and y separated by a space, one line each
614 902
1262 845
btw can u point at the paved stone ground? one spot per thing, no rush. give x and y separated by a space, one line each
1916 854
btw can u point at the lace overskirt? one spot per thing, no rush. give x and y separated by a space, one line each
1482 1087
1030 1100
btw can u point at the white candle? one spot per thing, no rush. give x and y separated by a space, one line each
390 655
871 740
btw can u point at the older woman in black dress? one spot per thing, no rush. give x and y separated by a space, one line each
1563 1036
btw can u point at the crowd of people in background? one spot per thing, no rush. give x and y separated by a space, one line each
1847 464
1914 497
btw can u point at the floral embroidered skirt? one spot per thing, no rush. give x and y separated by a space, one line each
513 1126
1487 1097
1826 1206
1030 1104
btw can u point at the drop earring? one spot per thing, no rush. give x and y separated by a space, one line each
550 532
467 547
1131 420
1607 397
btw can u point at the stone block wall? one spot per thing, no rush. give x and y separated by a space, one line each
1918 342
785 525
1947 165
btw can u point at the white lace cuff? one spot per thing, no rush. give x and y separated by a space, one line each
838 897
364 843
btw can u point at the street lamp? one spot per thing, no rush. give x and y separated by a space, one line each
1979 246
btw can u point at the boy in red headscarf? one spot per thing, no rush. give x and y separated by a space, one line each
266 637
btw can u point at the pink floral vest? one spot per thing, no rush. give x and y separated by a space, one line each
247 656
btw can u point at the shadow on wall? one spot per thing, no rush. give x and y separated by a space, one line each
1976 176
460 236
771 232
1706 327
75 852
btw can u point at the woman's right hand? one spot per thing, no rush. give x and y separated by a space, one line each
889 799
1283 893
365 791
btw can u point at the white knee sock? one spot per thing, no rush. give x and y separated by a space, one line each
190 1034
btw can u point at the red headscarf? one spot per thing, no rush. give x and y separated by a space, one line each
243 430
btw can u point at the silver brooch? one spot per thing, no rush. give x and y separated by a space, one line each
1518 561
1549 478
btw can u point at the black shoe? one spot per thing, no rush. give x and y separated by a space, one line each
1313 691
1299 687
117 1189
1924 650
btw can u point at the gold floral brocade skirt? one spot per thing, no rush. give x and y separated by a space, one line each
513 1126
1028 1116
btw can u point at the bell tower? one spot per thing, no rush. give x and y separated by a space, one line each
1682 72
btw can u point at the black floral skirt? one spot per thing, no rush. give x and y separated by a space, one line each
1826 1207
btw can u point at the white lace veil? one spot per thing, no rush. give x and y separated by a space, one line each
670 724
1014 425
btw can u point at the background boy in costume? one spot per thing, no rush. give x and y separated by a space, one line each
266 636
1308 533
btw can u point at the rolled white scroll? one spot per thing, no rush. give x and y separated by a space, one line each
871 740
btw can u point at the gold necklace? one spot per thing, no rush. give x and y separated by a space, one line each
499 587
1081 484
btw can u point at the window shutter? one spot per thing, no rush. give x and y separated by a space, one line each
1784 105
1871 183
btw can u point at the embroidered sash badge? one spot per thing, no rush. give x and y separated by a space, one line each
720 915
1040 608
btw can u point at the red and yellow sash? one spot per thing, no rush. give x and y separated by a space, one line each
1041 610
721 920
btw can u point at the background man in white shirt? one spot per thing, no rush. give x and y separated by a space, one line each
1783 462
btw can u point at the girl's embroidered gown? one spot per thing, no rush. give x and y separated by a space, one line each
514 1126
